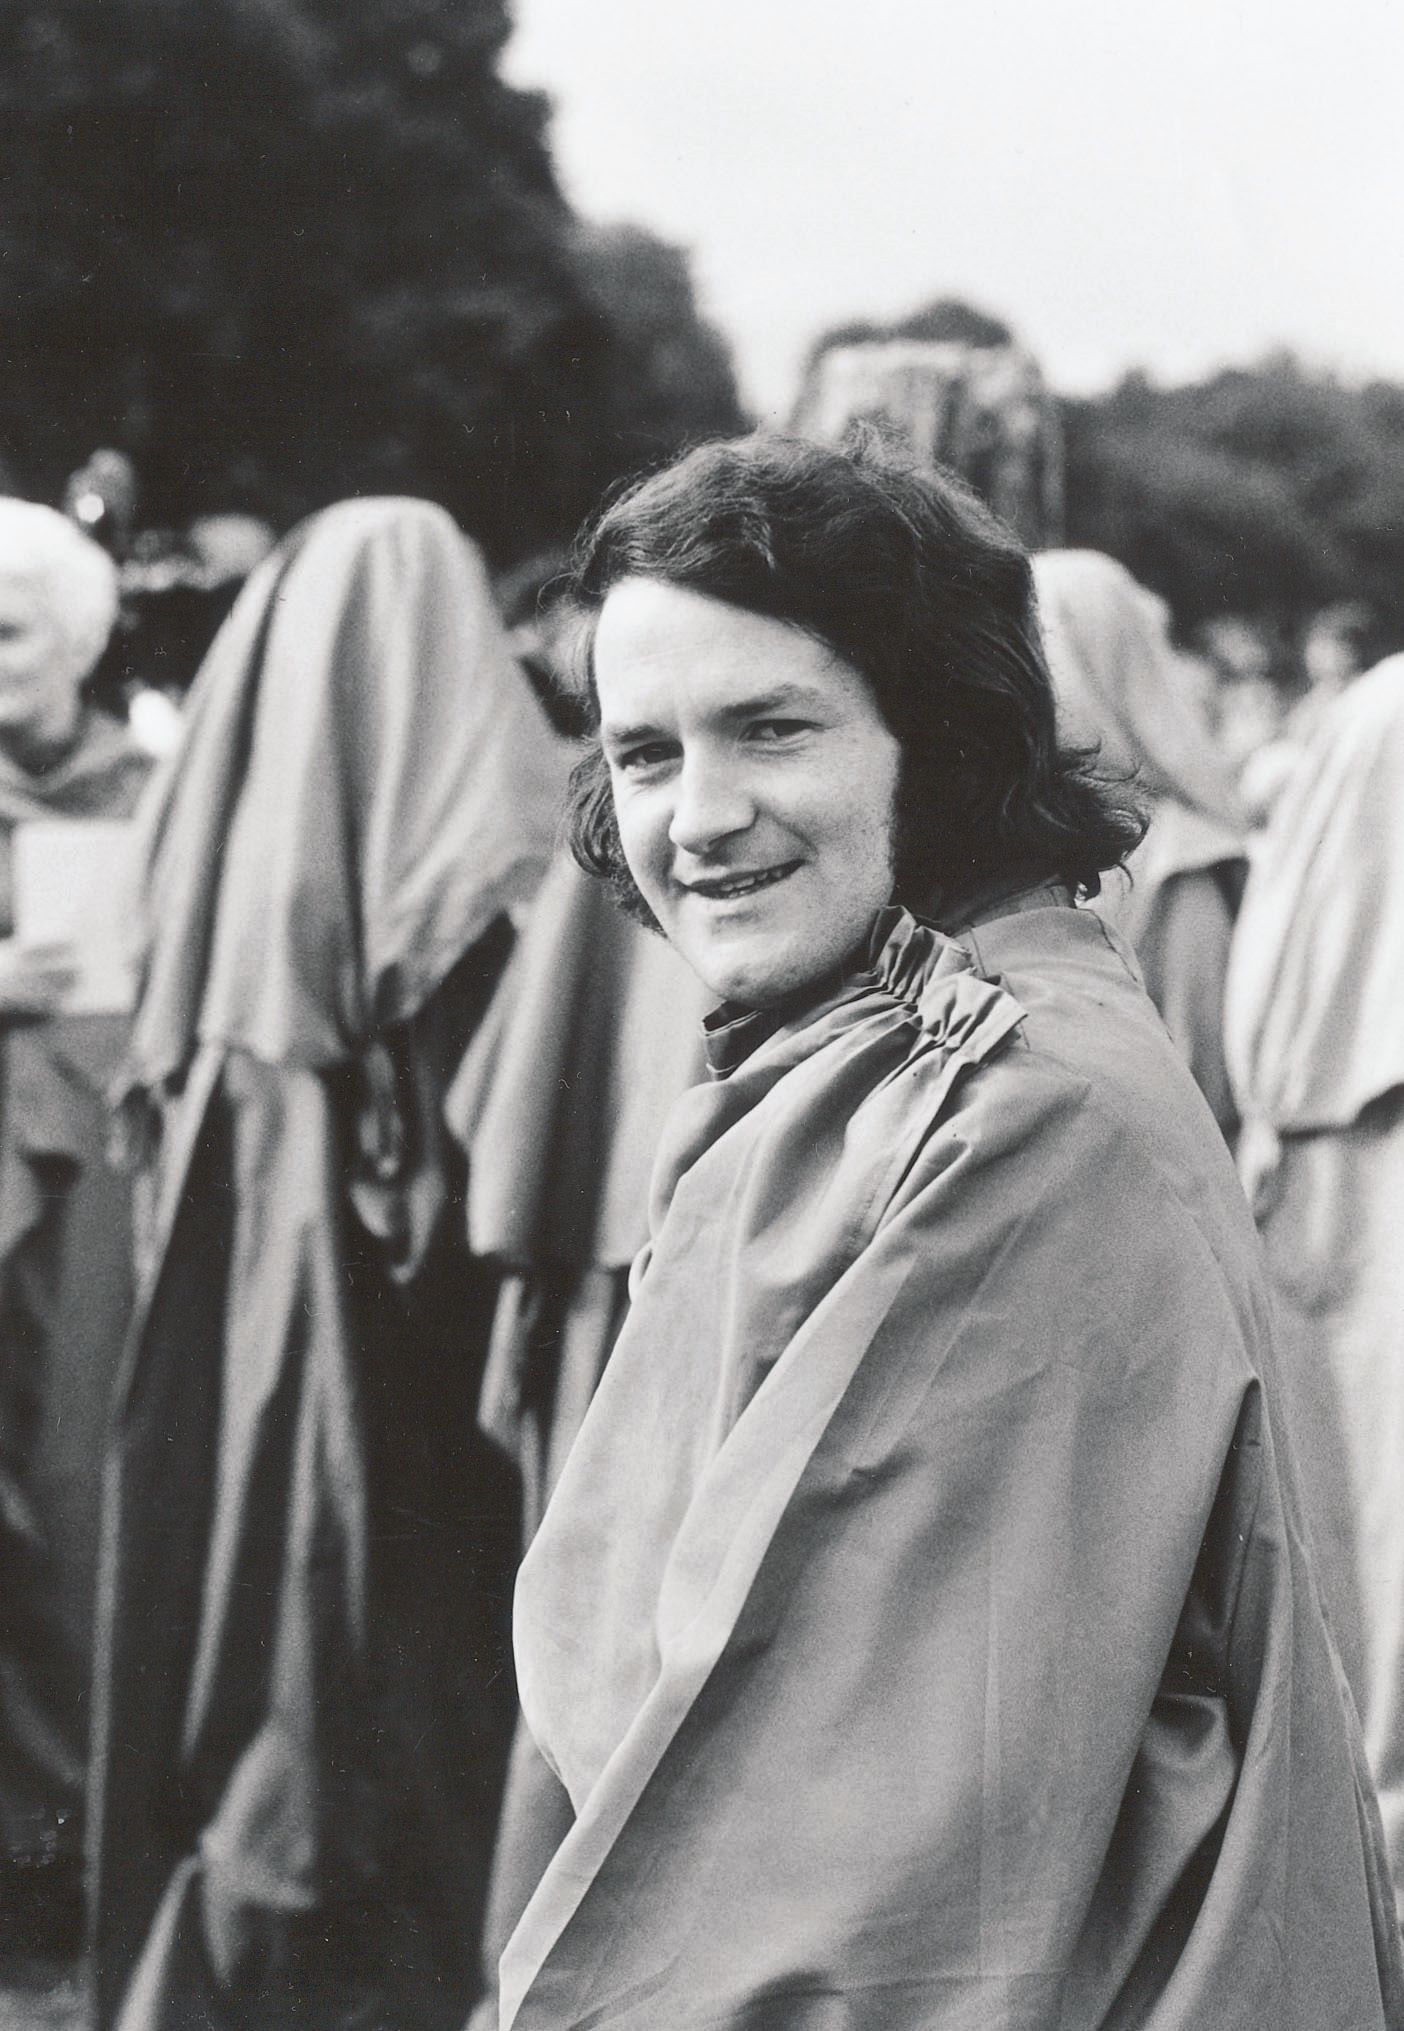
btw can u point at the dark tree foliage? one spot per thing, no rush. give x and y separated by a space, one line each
672 378
1266 491
285 250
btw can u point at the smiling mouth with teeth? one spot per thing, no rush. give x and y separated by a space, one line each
730 886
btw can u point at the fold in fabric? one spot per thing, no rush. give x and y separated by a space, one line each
921 1625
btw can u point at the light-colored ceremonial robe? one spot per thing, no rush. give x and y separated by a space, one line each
1316 1048
922 1626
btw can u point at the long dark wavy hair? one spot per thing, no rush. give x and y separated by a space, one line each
907 577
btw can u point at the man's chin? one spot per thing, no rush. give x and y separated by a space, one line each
755 985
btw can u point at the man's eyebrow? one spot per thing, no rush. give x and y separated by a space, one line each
621 736
775 698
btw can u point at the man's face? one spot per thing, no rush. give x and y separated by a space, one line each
38 690
754 784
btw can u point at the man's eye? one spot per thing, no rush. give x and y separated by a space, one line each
767 730
650 755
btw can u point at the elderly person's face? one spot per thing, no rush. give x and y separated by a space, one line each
755 787
40 674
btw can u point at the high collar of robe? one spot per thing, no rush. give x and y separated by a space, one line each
902 957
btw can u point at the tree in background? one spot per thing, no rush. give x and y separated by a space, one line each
1267 491
285 250
670 374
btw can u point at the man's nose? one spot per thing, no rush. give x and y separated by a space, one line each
712 803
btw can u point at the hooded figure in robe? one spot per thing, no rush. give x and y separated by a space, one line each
921 1627
560 1104
1119 686
65 1286
303 1707
1316 1051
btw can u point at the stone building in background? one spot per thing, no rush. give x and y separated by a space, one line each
982 409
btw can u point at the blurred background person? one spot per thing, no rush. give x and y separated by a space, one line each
1119 686
559 1104
64 1224
303 1690
175 588
1330 654
1333 649
1250 701
1315 1030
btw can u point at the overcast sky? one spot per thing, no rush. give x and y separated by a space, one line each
1171 185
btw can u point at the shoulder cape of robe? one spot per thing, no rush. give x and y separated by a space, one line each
921 1625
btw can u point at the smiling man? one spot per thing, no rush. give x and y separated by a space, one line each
755 785
921 1627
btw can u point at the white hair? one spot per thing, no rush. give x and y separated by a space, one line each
76 576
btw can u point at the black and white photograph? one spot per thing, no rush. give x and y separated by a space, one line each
701 1015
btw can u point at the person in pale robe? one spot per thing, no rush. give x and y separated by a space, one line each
560 1104
1119 685
303 1693
1315 1016
64 1222
921 1626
